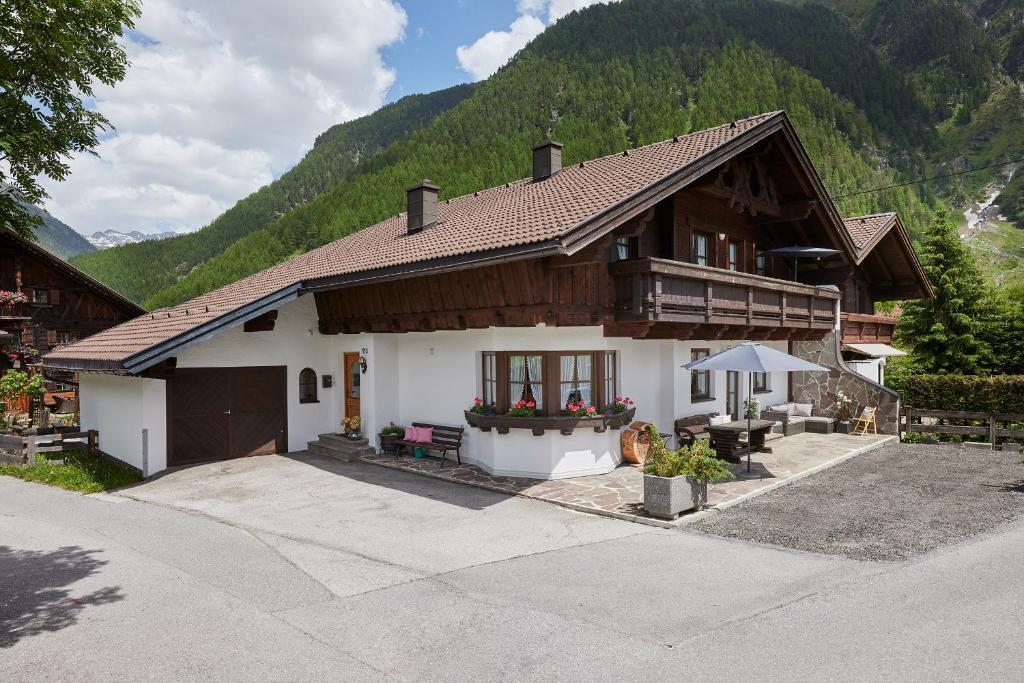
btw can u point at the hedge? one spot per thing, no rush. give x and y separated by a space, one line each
998 394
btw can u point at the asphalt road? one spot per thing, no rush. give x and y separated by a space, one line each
377 574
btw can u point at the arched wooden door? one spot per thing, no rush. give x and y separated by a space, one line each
353 375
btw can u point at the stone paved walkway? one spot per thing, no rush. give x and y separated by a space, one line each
620 492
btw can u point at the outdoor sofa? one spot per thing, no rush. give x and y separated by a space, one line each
793 418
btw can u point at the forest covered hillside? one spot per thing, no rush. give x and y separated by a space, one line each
878 99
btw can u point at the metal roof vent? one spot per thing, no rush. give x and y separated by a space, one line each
422 212
547 159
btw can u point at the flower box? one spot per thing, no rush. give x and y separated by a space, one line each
565 424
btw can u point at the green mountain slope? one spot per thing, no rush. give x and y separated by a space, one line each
622 75
57 237
140 270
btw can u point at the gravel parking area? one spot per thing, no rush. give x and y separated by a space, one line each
890 504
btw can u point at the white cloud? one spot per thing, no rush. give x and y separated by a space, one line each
220 98
493 49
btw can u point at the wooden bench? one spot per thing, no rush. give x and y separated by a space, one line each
445 439
689 429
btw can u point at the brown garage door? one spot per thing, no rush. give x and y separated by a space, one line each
221 413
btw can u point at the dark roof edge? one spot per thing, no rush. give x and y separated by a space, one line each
904 240
154 354
594 227
74 272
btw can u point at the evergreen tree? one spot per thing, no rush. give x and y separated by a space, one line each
946 332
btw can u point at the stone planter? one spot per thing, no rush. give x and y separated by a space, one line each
844 427
389 442
666 497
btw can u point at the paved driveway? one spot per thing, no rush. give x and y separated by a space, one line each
303 569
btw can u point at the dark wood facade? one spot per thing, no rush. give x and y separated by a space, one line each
62 305
690 267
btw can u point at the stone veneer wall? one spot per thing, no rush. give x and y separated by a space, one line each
821 388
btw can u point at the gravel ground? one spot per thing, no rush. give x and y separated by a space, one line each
890 504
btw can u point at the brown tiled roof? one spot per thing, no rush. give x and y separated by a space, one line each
518 214
864 229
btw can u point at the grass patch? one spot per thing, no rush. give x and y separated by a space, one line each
77 473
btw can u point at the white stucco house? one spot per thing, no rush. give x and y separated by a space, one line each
585 282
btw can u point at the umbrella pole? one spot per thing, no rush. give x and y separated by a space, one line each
750 397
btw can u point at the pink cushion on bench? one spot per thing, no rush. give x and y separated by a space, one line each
410 434
425 434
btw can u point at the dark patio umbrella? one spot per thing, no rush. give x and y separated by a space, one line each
751 357
797 253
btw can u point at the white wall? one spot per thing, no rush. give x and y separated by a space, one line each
119 408
426 377
872 368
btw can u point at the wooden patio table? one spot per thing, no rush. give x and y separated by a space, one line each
725 438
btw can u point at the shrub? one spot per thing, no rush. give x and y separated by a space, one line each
698 462
999 394
393 430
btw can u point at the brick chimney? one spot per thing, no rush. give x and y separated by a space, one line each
547 159
422 199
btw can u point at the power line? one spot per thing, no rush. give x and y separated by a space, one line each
937 177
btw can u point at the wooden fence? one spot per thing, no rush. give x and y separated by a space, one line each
25 448
996 425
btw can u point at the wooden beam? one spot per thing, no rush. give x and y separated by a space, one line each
261 323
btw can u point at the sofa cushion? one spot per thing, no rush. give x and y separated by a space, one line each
783 408
795 420
803 409
719 420
817 418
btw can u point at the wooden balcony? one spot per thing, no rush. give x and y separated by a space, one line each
860 328
15 312
721 304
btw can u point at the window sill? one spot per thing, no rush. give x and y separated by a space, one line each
565 424
308 401
762 391
701 399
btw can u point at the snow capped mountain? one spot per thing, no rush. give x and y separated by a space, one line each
104 239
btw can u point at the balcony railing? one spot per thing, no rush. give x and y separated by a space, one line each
860 328
658 290
19 311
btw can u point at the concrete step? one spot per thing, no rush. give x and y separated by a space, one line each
338 449
343 441
348 455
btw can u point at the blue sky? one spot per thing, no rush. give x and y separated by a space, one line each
426 60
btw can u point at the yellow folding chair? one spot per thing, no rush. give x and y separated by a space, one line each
866 419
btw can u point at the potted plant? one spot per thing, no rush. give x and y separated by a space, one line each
844 411
523 408
622 404
677 481
350 426
751 408
389 437
580 409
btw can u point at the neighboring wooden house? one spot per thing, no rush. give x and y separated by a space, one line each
587 282
50 304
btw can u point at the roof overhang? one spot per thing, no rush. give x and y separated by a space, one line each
874 350
894 229
157 353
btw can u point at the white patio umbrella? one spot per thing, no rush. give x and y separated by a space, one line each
751 357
